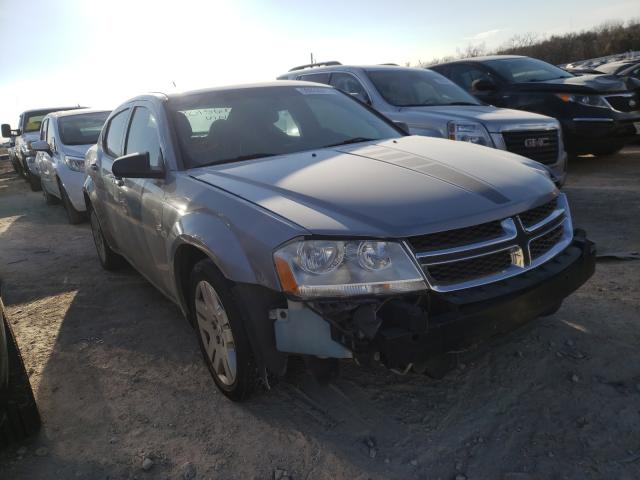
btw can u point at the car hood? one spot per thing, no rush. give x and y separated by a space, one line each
495 119
387 189
76 150
582 84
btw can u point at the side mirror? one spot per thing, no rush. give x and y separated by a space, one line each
6 130
41 146
403 126
484 85
135 165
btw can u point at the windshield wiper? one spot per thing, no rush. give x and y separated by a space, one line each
240 158
350 141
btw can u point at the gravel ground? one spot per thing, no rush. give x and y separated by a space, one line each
124 394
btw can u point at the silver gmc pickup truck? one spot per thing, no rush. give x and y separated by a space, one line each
289 219
432 105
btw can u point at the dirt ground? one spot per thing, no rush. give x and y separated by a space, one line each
118 375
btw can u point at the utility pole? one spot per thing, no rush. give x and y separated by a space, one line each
312 62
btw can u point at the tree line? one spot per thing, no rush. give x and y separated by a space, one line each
607 39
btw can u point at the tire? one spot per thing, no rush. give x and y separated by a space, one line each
48 198
551 310
221 334
34 183
324 370
109 259
606 151
73 215
22 416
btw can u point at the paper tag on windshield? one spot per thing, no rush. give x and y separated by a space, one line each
316 91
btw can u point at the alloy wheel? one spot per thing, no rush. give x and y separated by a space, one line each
215 333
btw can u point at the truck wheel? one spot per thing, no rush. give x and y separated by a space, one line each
34 183
73 215
551 310
22 417
109 259
220 331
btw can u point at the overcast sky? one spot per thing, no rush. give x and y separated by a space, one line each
100 53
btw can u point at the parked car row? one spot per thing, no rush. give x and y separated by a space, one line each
599 114
295 218
430 104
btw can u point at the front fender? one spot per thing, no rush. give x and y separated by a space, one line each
214 238
89 192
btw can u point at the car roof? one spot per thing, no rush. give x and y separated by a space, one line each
50 109
615 66
332 68
273 84
481 59
78 111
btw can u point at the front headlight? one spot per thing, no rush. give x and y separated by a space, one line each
586 100
469 132
74 163
335 268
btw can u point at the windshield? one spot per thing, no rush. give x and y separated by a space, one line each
223 126
33 121
417 88
521 70
82 129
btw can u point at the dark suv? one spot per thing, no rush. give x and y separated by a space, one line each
599 114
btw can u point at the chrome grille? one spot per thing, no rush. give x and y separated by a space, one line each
539 145
524 241
541 245
453 272
538 214
624 103
457 237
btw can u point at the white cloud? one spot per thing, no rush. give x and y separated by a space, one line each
484 35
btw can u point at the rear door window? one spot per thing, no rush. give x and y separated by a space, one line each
114 139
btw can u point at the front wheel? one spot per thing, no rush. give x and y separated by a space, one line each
109 259
34 182
48 198
221 334
73 215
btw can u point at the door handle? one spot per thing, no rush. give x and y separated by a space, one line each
94 167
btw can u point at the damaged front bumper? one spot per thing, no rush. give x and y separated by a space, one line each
408 330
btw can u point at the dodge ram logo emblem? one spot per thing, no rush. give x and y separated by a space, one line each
536 142
632 103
